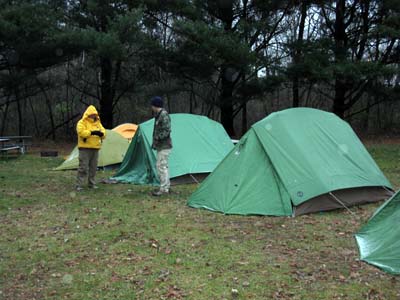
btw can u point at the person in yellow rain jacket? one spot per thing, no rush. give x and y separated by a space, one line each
90 136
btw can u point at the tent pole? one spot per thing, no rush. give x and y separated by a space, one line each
194 179
340 202
385 188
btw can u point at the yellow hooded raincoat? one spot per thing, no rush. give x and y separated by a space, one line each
85 127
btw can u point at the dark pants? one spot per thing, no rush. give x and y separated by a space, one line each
87 166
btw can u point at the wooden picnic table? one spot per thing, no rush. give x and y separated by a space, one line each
4 148
15 142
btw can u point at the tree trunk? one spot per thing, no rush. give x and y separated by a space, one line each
3 123
106 99
339 106
191 99
295 90
339 100
225 8
226 102
244 118
367 113
297 55
67 101
49 107
35 122
19 110
169 104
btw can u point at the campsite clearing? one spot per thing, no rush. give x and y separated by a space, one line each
118 242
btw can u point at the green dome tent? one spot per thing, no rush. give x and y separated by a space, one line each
112 152
199 144
379 239
293 162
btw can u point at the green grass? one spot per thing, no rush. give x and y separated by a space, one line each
118 242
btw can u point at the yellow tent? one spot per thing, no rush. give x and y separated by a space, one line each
127 130
112 152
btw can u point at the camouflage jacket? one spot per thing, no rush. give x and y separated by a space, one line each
162 131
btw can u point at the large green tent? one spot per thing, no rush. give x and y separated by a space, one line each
379 239
199 144
293 162
112 152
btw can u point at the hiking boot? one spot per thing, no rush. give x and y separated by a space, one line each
95 187
79 189
158 193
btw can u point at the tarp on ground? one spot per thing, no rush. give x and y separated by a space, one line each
292 162
379 240
127 130
199 144
112 152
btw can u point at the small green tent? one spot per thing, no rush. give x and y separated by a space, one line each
199 144
379 239
292 162
112 152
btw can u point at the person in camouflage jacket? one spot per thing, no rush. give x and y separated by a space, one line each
161 143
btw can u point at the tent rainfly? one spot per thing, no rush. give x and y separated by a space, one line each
379 240
127 130
293 162
112 152
199 144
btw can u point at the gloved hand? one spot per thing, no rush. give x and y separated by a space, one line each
97 132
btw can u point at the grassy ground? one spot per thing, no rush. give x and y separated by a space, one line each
118 242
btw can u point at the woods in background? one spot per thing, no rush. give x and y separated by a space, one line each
234 61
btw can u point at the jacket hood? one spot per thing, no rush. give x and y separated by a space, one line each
91 110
